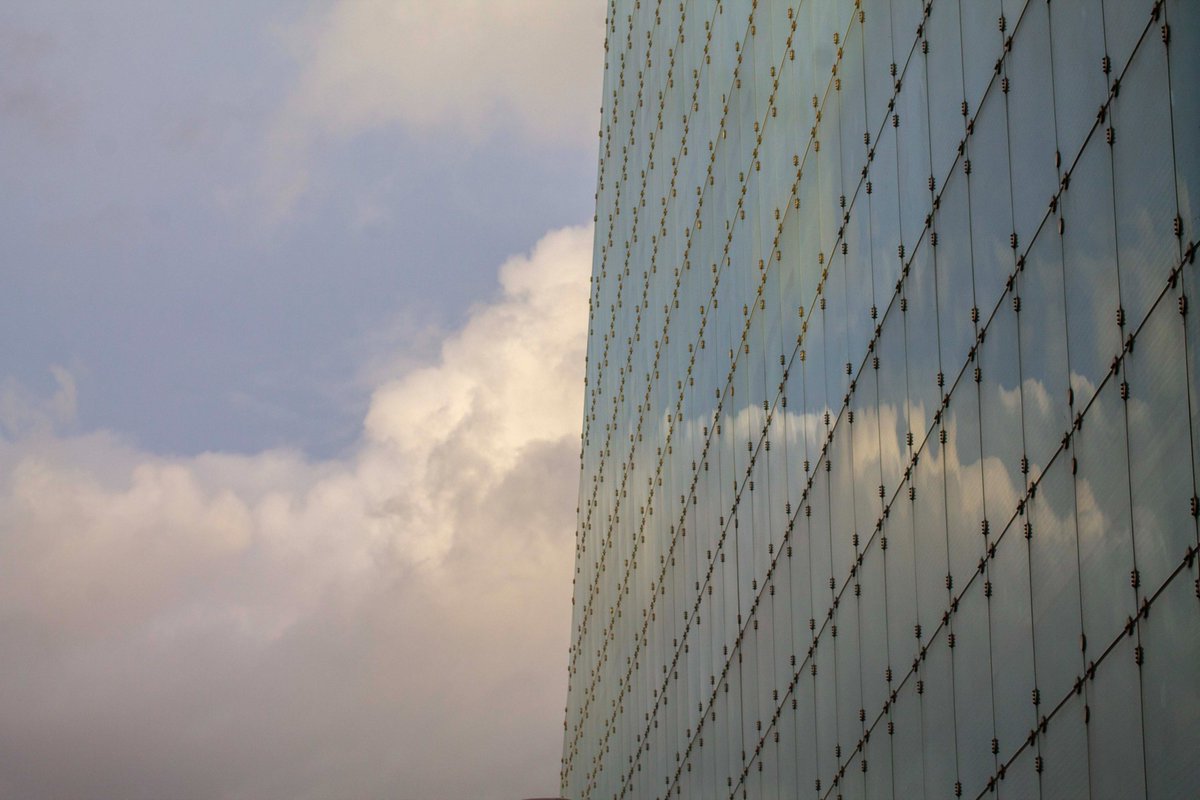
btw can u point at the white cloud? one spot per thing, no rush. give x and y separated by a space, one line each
394 623
475 65
468 68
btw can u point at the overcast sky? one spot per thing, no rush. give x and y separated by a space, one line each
294 307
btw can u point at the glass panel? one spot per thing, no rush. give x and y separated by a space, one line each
1077 45
1014 11
937 705
921 322
906 16
1143 173
929 534
849 677
1089 266
842 502
911 121
1031 122
1012 641
807 777
1124 22
964 485
884 198
1054 578
893 398
901 584
1000 414
878 759
955 281
873 631
826 690
973 690
1158 421
865 451
1184 56
855 258
991 201
852 109
943 71
878 58
1020 779
821 554
1171 689
1063 748
1045 411
1102 506
982 45
1115 725
908 742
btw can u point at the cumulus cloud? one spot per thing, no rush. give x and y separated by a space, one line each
394 623
471 68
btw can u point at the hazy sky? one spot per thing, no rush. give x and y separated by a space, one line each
294 304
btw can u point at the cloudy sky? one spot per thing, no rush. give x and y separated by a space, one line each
294 306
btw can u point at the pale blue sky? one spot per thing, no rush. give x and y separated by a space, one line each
140 255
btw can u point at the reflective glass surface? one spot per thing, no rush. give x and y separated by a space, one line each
888 478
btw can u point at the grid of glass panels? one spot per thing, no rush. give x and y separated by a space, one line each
888 474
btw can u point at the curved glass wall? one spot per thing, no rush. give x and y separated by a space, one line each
889 480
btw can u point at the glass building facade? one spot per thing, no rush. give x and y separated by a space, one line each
890 443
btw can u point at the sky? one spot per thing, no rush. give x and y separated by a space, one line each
295 300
